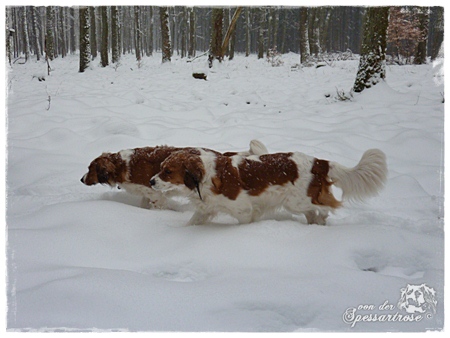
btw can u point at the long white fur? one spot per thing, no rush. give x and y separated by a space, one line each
364 180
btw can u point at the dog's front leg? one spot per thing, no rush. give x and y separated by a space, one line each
199 218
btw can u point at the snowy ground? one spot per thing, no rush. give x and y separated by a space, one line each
88 258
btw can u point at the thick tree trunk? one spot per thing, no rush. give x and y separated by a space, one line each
215 46
49 37
372 64
85 51
137 32
93 32
105 33
304 41
165 34
115 29
25 36
192 30
438 31
421 51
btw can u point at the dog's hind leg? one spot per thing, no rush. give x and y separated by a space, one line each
316 217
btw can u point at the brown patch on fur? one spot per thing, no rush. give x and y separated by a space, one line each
146 163
272 169
227 181
252 175
319 187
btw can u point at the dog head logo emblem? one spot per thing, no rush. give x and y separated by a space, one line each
417 299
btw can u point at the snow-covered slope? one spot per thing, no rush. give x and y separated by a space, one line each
88 258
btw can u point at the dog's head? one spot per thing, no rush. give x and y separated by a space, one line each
181 169
105 169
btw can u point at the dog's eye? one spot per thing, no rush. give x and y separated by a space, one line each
167 171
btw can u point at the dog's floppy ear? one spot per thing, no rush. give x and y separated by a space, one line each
193 173
192 182
105 170
102 175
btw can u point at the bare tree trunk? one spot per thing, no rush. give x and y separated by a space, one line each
150 32
115 29
424 19
262 15
49 39
231 30
165 34
304 40
36 31
215 47
183 28
247 31
62 33
26 39
85 52
372 64
73 44
137 30
9 35
104 46
438 31
93 32
192 30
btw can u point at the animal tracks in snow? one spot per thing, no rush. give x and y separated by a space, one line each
182 274
380 263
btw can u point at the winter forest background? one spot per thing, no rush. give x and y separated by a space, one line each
329 81
324 33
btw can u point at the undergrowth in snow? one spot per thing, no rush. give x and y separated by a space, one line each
88 258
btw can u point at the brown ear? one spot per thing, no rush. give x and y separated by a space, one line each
193 174
106 170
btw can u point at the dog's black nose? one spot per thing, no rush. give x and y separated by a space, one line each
152 182
82 180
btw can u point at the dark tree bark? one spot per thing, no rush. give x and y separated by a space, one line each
62 33
73 44
437 30
215 45
372 64
85 52
149 49
247 31
165 34
421 50
137 32
49 35
304 41
192 30
104 46
115 49
36 31
25 36
262 16
93 32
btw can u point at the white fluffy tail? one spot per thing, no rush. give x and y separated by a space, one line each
257 148
364 180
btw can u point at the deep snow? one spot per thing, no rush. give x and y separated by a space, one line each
88 258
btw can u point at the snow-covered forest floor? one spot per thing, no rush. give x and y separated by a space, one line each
88 258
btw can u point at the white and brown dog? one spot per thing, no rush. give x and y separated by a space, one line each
246 187
132 170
